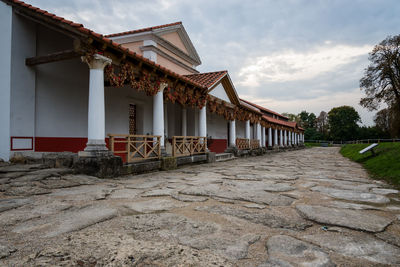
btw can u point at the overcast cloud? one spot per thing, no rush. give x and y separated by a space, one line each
289 55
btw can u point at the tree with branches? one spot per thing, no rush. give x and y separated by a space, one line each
381 81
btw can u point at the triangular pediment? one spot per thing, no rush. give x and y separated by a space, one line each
177 36
219 91
225 90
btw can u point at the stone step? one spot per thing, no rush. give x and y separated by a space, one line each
224 157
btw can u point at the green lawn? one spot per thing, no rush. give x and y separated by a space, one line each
314 144
384 165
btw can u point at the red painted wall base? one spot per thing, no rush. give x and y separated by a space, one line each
76 144
60 144
218 145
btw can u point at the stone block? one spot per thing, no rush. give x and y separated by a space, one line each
141 167
211 157
102 166
168 163
184 160
199 158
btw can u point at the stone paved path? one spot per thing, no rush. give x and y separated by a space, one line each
301 208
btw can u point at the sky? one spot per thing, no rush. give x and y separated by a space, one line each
286 55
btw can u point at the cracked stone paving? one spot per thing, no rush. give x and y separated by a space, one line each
309 207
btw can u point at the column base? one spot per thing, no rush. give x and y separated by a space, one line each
95 148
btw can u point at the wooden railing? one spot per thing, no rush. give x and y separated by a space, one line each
136 147
188 145
254 143
242 143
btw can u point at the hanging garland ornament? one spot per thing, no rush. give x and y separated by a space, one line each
231 113
188 97
192 97
126 75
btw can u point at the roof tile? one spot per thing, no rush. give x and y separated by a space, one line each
144 29
207 79
262 108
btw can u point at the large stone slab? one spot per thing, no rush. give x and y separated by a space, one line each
154 205
69 221
159 192
199 235
288 251
354 219
269 218
125 193
6 251
26 190
391 235
7 204
353 206
259 185
385 191
360 246
84 193
189 198
256 196
144 184
351 195
21 168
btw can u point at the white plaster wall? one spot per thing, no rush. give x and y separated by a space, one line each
252 131
219 91
217 126
193 122
61 90
117 102
5 78
174 119
22 78
240 129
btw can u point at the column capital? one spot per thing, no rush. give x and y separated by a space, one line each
96 61
163 86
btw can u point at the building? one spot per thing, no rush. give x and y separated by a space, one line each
67 88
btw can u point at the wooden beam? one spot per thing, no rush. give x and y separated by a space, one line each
58 56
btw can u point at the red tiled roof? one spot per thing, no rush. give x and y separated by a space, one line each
70 26
207 79
143 30
280 122
265 109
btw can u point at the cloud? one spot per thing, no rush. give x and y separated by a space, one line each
287 51
290 65
321 103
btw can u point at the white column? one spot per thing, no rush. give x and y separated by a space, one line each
280 138
247 132
184 122
96 108
293 139
203 122
289 138
158 114
285 138
262 136
5 79
259 133
232 133
275 137
270 137
166 121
